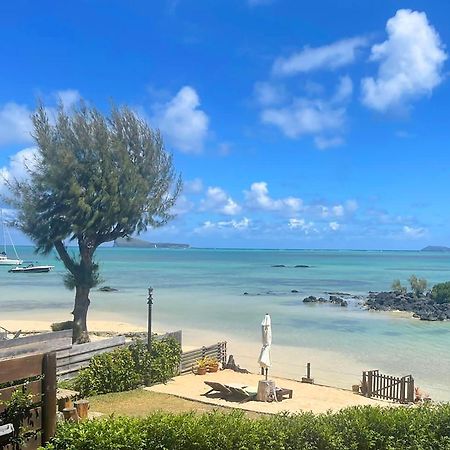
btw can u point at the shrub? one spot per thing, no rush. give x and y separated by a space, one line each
357 428
397 287
441 292
129 367
418 285
60 326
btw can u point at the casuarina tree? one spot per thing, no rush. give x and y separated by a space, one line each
96 178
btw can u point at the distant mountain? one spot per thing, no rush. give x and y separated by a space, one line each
140 243
436 248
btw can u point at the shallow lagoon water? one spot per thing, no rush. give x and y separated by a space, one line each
203 289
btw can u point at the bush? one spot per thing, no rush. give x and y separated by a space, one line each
441 292
397 287
60 326
357 428
418 285
129 367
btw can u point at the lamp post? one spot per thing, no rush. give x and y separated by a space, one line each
149 323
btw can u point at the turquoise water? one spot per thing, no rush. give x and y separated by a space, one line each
203 289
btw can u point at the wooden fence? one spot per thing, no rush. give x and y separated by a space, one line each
41 369
398 389
189 358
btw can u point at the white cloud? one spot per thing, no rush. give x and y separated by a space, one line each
182 206
182 122
334 226
267 93
351 205
218 200
17 168
414 232
15 124
332 56
258 198
344 90
68 97
194 186
302 225
323 143
223 224
410 61
305 116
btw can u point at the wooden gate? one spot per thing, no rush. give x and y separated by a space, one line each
398 389
188 359
35 375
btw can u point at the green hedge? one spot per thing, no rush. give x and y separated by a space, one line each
129 367
357 428
441 292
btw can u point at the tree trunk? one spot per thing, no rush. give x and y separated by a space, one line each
80 332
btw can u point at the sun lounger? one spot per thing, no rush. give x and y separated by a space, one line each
217 387
246 393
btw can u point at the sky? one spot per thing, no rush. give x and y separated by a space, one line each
294 124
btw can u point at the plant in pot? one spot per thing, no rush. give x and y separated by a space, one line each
201 366
213 364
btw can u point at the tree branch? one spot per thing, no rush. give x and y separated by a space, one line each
65 257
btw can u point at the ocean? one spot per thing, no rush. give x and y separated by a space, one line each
202 290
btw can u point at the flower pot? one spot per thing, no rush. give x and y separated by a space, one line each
355 388
201 370
214 368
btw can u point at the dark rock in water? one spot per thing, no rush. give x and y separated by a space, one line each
423 307
333 300
294 291
304 266
245 293
278 265
108 289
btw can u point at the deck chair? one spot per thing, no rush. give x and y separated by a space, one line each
217 387
246 394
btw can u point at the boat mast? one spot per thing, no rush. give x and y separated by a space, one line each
3 230
12 243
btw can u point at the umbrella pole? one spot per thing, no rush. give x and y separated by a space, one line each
267 371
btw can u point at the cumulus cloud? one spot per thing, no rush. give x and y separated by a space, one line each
414 232
182 122
267 93
258 198
68 97
17 168
332 56
15 124
410 62
334 226
302 225
218 200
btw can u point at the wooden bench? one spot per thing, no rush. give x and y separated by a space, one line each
282 393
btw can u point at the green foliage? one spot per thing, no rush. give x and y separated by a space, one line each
129 367
418 285
397 287
17 412
60 326
357 428
95 178
441 292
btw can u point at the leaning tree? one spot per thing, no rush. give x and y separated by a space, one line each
95 178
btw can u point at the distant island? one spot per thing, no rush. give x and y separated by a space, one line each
140 243
435 248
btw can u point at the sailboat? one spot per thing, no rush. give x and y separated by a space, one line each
4 260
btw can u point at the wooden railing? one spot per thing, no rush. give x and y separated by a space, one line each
398 389
188 359
40 370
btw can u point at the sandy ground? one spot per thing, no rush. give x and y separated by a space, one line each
306 397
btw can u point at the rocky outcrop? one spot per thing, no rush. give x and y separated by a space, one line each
333 300
107 289
423 307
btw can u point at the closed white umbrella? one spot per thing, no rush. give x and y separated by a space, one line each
264 357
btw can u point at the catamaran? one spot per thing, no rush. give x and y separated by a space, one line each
4 260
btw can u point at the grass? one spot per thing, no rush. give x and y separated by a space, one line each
141 403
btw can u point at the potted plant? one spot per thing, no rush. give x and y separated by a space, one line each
213 364
201 366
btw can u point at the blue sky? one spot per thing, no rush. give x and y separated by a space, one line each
295 124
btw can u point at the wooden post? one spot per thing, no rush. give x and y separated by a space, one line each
308 378
402 390
82 407
70 414
369 383
411 393
49 393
